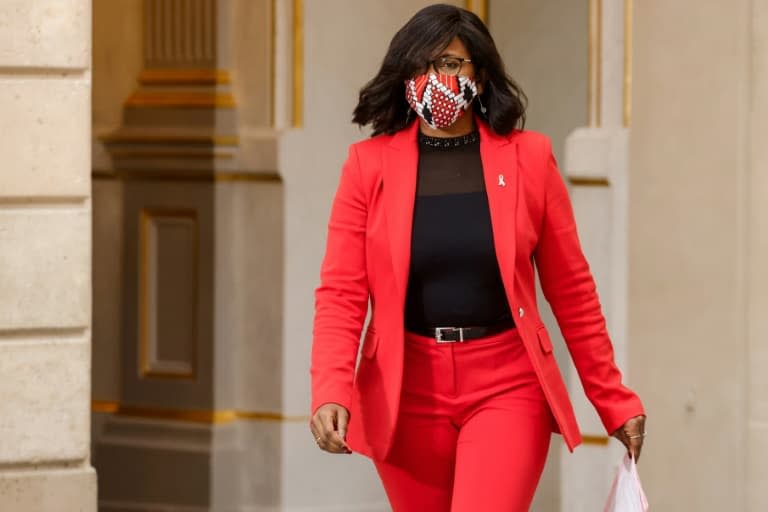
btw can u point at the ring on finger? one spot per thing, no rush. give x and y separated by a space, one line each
638 436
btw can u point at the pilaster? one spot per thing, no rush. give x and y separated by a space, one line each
595 166
199 296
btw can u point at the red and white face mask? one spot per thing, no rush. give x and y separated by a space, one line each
440 99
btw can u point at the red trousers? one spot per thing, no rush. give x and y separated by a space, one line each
473 430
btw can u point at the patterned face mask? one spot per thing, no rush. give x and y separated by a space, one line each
440 99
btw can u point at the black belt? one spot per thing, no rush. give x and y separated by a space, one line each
453 334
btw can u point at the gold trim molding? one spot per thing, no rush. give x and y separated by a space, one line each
628 6
144 138
246 177
298 64
588 181
191 415
180 176
595 440
594 63
133 155
230 415
180 99
170 76
104 406
479 7
273 62
146 216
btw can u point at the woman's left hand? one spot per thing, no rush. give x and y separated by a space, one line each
632 435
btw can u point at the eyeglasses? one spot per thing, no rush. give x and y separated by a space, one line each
448 64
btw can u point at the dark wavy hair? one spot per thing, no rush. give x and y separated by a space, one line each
382 100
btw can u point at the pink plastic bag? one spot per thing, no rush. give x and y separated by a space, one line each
626 492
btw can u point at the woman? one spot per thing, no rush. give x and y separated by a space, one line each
438 219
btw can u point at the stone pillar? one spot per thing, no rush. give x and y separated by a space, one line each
756 271
196 425
595 165
699 253
45 266
182 117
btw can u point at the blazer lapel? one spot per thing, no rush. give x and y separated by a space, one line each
400 163
500 171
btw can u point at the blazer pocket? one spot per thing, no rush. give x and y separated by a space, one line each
544 341
370 342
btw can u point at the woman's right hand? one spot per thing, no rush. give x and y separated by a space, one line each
329 427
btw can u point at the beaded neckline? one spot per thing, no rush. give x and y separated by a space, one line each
449 142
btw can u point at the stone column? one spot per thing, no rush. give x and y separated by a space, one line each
595 165
201 290
182 117
699 253
756 272
45 285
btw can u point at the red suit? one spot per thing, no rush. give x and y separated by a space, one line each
368 252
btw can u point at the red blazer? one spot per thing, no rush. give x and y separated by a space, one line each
368 255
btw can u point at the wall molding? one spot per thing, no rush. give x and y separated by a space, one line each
206 416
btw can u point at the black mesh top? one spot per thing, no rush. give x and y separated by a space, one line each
454 278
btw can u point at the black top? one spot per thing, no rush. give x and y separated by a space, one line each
454 278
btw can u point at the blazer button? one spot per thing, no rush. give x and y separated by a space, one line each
520 312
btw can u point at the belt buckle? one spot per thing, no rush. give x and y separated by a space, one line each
439 334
